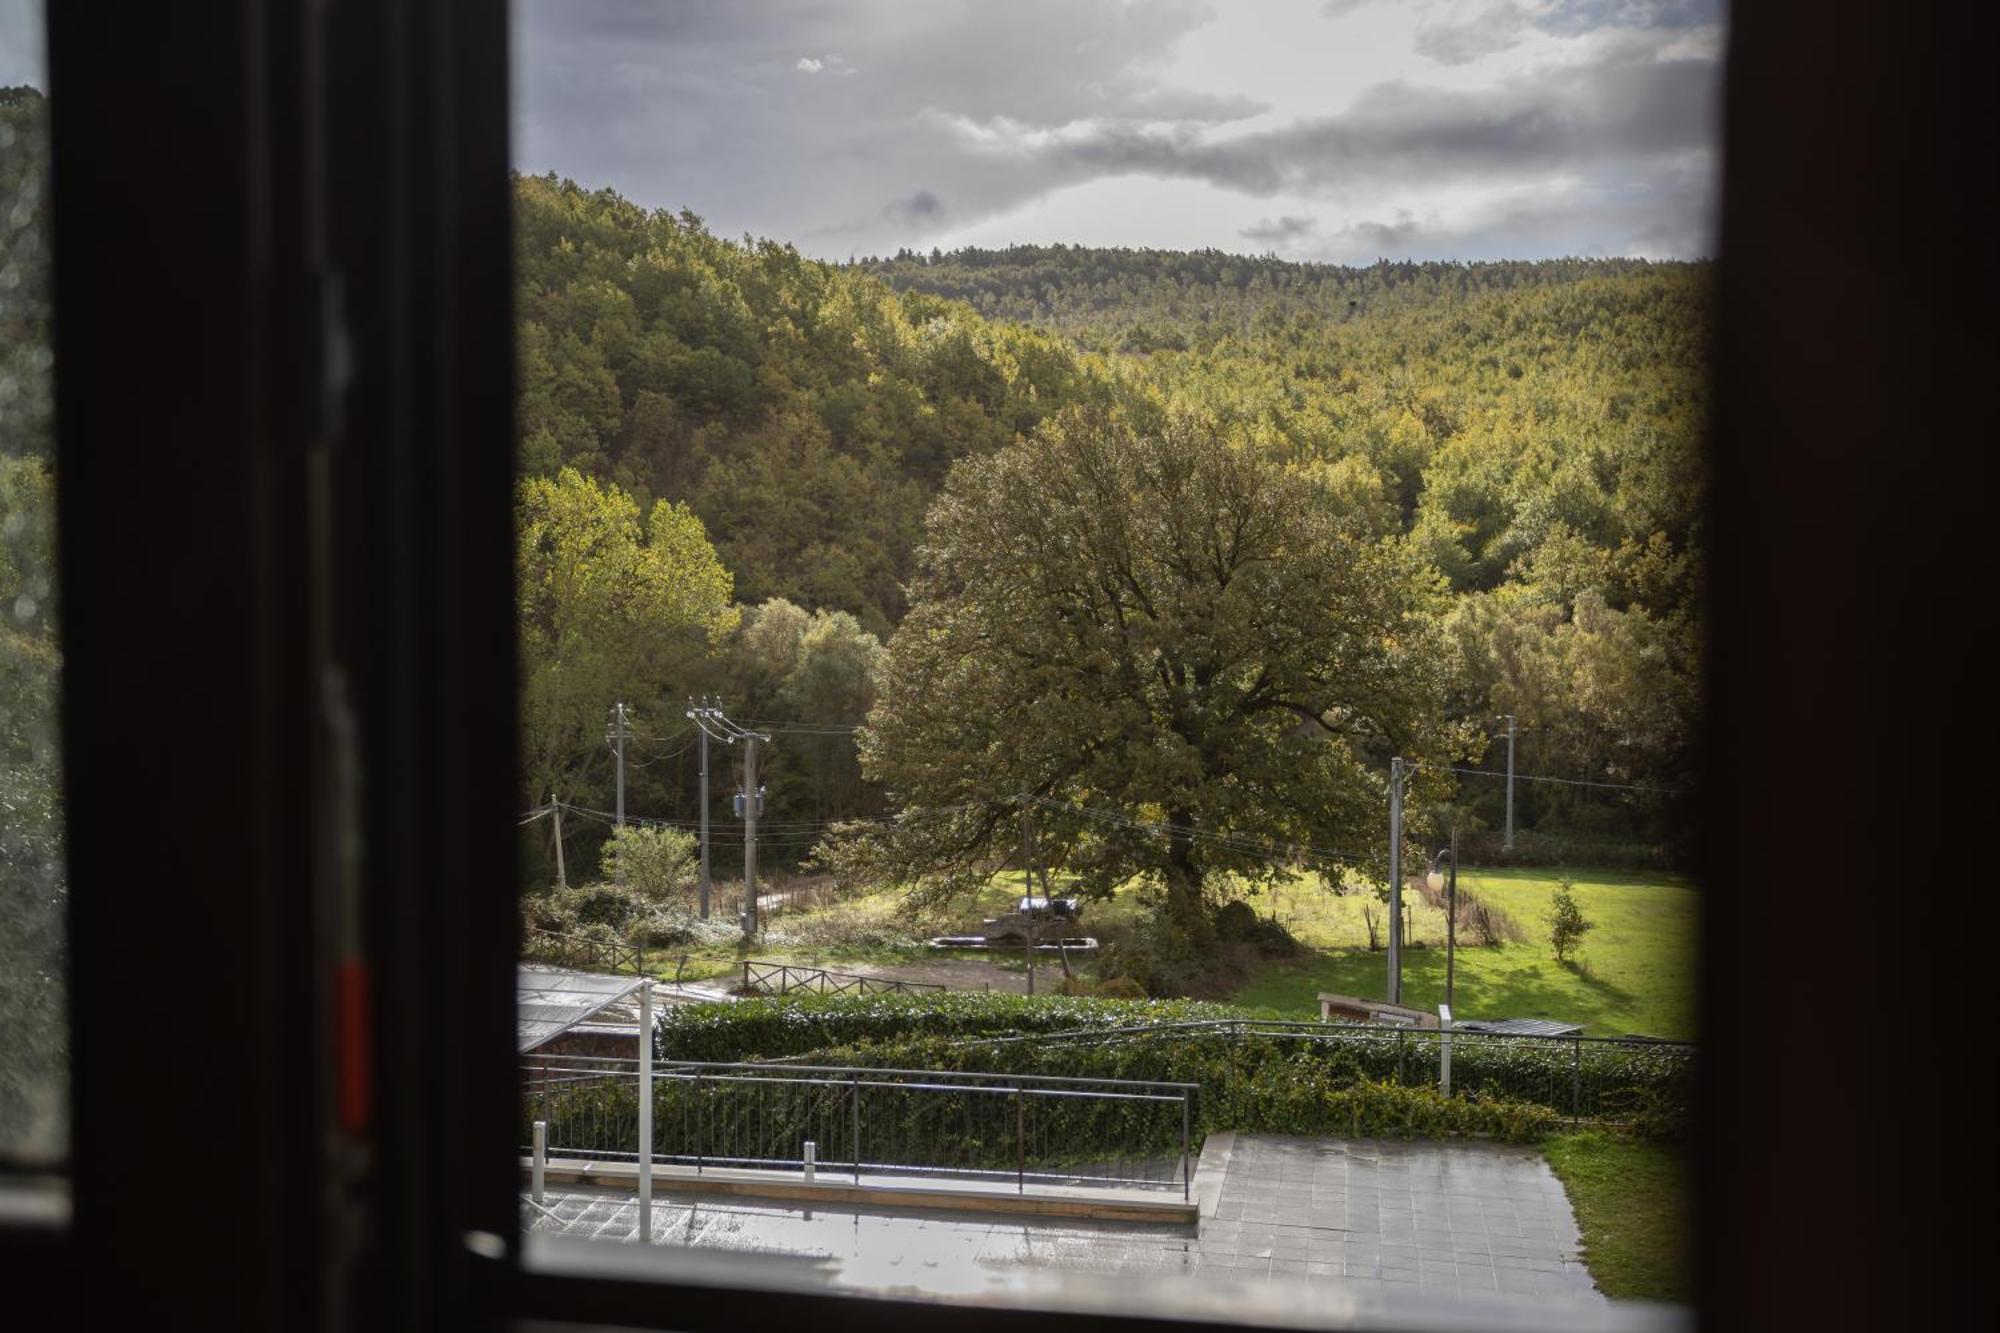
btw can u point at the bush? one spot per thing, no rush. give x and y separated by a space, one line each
795 1025
598 911
1241 1086
1643 1084
659 865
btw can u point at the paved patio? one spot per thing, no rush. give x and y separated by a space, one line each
1448 1219
1469 1217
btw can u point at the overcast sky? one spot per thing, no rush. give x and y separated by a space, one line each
1344 130
21 44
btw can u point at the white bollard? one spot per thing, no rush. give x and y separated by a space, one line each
809 1161
541 1157
1444 1049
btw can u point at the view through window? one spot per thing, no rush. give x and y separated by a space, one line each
1109 610
33 1027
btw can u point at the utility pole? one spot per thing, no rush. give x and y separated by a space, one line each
562 879
751 798
694 708
1028 883
749 802
1451 921
618 733
1508 845
1396 880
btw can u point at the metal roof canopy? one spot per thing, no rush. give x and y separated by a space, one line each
549 1001
1519 1027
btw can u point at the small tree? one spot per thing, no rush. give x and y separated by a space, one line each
1567 924
657 864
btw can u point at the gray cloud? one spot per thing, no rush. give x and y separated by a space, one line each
1279 230
1625 112
1670 216
955 111
1449 39
1497 28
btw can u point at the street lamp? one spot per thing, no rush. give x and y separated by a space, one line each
1439 883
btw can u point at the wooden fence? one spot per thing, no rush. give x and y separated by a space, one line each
782 978
584 952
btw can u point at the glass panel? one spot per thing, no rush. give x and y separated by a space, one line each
33 1031
1047 509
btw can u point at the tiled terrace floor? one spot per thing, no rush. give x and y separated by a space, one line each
1447 1218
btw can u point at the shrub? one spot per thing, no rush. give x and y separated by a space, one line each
795 1025
1249 1085
657 864
1567 925
1595 1080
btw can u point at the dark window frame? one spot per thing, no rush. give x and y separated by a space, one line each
273 582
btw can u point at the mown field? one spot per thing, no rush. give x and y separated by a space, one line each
1634 973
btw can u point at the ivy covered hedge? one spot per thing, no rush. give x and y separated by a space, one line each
1644 1084
762 1029
722 1121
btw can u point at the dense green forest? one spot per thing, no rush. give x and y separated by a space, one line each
1530 431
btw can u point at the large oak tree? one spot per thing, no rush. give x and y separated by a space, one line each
1180 657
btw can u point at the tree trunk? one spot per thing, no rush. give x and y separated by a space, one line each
1187 913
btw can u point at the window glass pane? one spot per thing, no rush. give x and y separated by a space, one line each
33 1031
1170 537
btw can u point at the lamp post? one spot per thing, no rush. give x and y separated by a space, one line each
1438 881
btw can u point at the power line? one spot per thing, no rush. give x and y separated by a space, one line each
1239 842
1570 782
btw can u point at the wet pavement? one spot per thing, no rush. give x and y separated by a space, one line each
1450 1219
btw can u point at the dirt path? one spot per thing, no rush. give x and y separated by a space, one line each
968 974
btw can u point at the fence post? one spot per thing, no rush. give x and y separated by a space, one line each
646 1111
1576 1078
854 1087
1020 1139
541 1158
746 974
697 1122
545 1088
1444 1049
1184 1146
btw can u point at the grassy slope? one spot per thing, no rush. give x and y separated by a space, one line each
1631 1203
1635 972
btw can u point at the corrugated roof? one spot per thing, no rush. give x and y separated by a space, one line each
551 1000
1520 1027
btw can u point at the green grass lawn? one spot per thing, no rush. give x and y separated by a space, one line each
1631 1203
1635 972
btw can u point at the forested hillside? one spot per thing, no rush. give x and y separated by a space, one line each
1532 428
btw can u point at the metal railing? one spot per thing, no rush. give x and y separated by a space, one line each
582 951
1584 1078
783 978
932 1124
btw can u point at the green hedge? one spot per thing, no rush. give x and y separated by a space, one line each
781 1026
986 1131
1591 1080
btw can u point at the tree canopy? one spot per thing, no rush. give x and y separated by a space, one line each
607 604
1177 654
